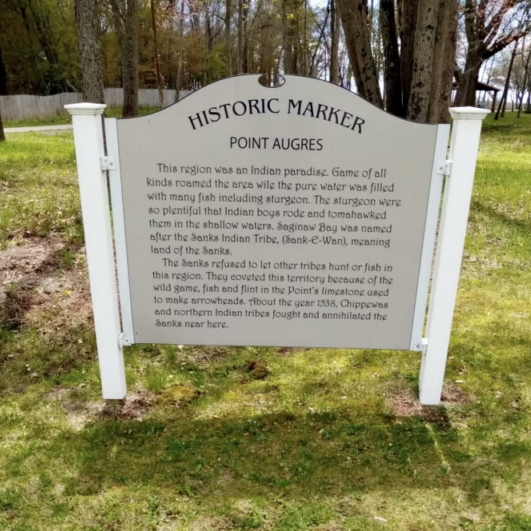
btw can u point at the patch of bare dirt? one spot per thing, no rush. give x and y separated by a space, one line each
134 407
258 369
44 282
403 403
211 523
453 394
484 263
225 478
80 412
204 355
335 525
288 351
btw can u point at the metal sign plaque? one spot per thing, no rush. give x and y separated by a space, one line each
289 216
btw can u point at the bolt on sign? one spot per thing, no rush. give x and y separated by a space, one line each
297 216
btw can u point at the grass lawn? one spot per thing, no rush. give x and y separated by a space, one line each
255 438
64 117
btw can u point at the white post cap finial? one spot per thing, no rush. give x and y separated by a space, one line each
468 113
86 108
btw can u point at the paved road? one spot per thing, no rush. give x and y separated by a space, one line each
37 128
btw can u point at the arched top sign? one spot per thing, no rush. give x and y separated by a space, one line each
287 98
276 216
224 100
291 216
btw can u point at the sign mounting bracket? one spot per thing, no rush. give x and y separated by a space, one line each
108 163
124 341
445 168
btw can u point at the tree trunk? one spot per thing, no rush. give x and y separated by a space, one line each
377 46
3 76
392 74
47 41
421 83
239 66
40 85
118 18
267 47
353 15
488 32
460 81
294 39
208 42
503 101
321 35
156 49
348 83
443 62
334 44
287 39
228 53
245 51
87 44
304 60
527 74
508 82
472 69
408 22
487 81
130 60
2 135
178 82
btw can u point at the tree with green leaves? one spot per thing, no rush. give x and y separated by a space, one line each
36 42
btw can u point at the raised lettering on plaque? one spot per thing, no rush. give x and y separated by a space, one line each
289 216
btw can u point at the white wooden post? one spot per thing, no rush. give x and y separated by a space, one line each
464 147
88 139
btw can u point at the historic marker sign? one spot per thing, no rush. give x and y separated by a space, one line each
292 216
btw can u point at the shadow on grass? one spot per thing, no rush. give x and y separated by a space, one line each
513 223
296 457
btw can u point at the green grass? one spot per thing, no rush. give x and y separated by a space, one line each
39 187
302 440
63 117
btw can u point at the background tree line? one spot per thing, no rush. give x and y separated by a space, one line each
407 56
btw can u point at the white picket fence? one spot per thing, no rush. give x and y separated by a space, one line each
23 106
